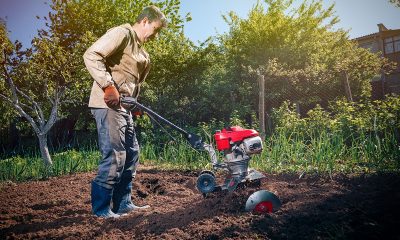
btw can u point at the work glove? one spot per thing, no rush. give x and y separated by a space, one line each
111 97
137 112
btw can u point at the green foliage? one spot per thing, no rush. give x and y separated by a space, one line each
73 19
302 58
378 115
174 87
6 47
293 38
49 69
349 138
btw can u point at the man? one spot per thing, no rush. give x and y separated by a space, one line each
118 63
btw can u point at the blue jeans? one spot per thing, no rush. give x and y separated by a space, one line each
118 145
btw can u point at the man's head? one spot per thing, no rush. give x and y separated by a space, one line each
149 22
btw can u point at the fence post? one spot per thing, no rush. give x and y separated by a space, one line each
261 105
347 87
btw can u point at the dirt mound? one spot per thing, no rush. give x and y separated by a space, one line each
314 207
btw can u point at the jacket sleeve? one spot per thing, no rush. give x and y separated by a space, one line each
95 56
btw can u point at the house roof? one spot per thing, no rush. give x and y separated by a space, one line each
382 29
366 36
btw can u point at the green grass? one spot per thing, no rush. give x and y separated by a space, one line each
325 152
328 152
33 168
175 155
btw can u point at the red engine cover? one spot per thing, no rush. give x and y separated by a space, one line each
233 134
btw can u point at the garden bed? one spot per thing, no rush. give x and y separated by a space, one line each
314 207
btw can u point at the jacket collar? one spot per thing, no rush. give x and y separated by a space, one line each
134 35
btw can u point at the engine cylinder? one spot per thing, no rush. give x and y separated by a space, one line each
253 145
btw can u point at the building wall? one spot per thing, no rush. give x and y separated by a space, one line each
373 44
387 42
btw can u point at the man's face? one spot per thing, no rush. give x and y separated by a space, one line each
151 30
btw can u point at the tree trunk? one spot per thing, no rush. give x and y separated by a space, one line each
44 149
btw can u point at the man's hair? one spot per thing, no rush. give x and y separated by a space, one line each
152 13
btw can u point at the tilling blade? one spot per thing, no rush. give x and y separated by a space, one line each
263 202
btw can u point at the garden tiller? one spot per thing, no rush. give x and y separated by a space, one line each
237 145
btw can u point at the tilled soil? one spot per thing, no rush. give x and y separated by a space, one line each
313 207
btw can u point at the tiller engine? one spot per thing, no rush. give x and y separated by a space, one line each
237 145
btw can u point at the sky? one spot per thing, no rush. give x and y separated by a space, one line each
359 17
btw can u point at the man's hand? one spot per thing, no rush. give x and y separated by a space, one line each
111 97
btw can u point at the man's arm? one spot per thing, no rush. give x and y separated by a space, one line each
95 56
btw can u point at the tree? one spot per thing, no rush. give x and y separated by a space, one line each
298 51
34 81
395 2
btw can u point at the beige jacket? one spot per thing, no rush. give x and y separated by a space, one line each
116 58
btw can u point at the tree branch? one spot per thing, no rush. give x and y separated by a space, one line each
12 102
53 115
22 113
36 108
15 101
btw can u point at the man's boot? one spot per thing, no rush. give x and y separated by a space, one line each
122 202
101 199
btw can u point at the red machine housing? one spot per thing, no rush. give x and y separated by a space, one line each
233 134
